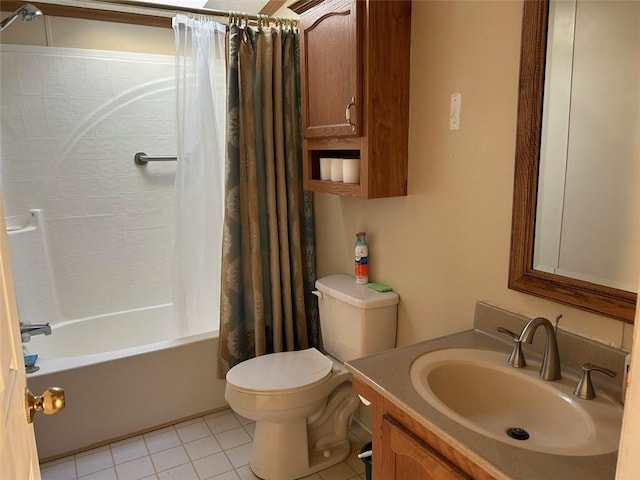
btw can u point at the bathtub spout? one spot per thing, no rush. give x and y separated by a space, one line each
27 330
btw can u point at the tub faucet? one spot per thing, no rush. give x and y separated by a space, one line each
550 369
27 330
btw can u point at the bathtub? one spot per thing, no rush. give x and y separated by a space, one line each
123 374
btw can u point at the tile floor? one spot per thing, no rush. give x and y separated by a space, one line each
216 447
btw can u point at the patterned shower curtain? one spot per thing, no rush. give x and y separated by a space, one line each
268 253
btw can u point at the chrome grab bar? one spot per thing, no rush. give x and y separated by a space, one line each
142 158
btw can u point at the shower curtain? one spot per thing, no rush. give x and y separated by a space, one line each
268 263
201 100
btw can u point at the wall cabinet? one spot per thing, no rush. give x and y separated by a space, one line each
404 449
355 57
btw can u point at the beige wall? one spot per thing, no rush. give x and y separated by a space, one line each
446 245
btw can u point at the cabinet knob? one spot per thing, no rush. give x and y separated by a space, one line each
347 113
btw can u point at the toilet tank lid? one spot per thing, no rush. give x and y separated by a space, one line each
344 287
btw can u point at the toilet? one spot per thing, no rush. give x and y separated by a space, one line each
302 401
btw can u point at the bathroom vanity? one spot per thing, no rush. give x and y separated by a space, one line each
413 439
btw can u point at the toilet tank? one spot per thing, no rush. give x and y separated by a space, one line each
355 320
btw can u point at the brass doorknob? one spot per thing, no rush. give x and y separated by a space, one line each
49 403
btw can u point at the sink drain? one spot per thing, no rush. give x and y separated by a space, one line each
517 433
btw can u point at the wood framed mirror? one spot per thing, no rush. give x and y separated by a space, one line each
605 300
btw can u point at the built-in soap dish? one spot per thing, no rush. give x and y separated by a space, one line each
30 363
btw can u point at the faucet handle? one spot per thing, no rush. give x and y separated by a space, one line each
584 389
516 359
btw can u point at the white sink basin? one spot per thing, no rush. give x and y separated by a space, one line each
478 389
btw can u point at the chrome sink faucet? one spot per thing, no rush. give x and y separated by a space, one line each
27 330
550 369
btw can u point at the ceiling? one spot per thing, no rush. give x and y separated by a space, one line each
248 6
245 6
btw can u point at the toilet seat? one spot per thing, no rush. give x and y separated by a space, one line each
280 372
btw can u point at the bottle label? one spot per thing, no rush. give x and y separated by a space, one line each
361 253
362 262
362 270
362 265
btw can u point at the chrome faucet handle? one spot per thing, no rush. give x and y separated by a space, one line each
516 359
27 330
584 389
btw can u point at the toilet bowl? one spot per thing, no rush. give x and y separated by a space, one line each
302 401
290 395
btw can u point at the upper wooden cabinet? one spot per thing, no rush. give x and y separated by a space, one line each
355 57
331 75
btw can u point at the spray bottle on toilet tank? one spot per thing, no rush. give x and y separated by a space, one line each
361 259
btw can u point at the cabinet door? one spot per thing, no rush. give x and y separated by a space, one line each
405 456
331 57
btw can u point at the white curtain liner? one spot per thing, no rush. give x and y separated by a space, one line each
201 117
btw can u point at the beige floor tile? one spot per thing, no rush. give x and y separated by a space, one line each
222 423
181 472
63 469
356 464
233 438
246 473
233 475
212 465
240 456
163 441
135 469
108 474
124 452
170 458
93 461
202 448
341 471
193 431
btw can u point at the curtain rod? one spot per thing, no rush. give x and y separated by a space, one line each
201 11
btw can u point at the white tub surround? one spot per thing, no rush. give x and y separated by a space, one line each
72 121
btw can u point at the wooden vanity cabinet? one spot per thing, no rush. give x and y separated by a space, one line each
404 456
355 57
404 449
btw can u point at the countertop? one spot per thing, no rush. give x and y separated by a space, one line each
388 374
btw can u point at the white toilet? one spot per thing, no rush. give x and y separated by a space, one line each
302 401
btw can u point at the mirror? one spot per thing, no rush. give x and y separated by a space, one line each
591 295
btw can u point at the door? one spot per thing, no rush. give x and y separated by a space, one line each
331 60
405 456
18 455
